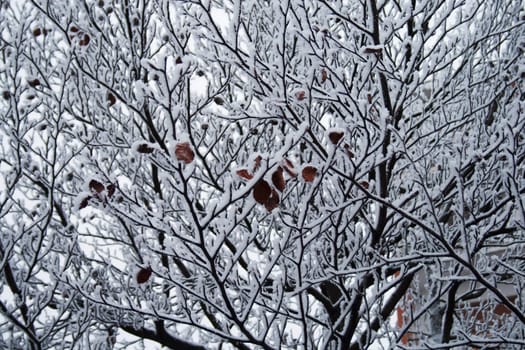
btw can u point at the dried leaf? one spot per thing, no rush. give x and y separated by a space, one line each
184 153
272 202
143 275
324 75
96 186
33 83
144 148
84 203
218 100
288 166
335 136
178 60
111 190
85 40
111 99
37 32
374 50
349 153
73 29
309 173
262 192
300 95
245 174
278 179
364 184
257 164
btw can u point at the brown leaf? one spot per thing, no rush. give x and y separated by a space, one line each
272 202
257 164
144 148
288 166
85 40
111 99
84 203
245 174
144 274
278 179
335 136
184 153
262 192
178 60
111 190
374 50
218 100
73 29
309 173
37 32
364 184
300 95
349 153
96 186
324 75
33 83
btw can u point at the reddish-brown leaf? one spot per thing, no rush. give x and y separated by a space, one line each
111 190
144 148
96 186
73 29
309 173
278 179
257 164
245 174
364 184
288 166
262 191
324 75
349 152
85 40
184 153
335 136
272 202
33 83
84 203
290 171
111 99
300 95
37 32
144 274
